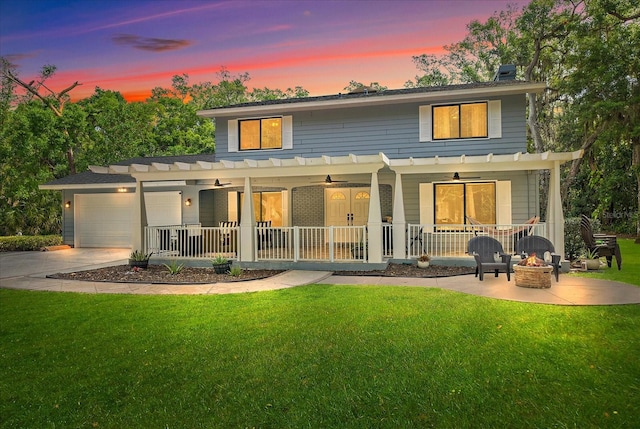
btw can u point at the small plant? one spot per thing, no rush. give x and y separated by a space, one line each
235 271
174 267
219 259
424 258
591 254
139 256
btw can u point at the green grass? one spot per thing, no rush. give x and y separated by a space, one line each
316 356
630 272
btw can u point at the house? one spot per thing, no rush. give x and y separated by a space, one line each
362 177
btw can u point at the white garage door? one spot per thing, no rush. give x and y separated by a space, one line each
103 220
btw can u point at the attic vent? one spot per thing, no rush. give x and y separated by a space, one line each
505 72
364 90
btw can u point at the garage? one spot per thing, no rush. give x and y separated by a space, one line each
103 220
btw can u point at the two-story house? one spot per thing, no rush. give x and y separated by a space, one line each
359 177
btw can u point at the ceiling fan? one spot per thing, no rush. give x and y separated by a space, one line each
456 177
329 181
217 184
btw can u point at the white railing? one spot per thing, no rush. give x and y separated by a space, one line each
192 241
329 243
451 240
311 243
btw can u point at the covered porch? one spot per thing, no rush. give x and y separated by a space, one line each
248 240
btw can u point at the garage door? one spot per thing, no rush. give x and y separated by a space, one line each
103 220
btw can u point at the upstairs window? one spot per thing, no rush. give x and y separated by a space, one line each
261 134
473 120
253 134
460 121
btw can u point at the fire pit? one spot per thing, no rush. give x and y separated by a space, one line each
533 272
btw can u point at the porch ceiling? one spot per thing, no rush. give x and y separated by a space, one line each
350 164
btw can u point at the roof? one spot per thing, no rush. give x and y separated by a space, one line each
393 96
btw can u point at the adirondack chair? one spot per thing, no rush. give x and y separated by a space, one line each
539 246
489 256
605 245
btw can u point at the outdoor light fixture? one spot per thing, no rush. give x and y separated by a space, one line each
122 189
67 204
188 202
456 176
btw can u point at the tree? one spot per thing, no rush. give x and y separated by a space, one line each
53 100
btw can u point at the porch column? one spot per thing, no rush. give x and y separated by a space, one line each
138 219
375 221
555 217
399 221
247 224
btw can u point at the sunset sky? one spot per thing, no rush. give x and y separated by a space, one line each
132 46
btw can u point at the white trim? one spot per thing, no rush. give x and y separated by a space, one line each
494 117
425 120
287 132
233 140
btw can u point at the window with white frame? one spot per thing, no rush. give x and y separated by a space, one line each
450 203
469 120
253 134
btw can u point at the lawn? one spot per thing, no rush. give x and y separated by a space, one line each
315 356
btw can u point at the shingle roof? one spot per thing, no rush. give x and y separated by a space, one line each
389 92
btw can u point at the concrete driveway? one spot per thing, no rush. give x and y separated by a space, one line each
21 264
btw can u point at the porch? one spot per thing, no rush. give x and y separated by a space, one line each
348 244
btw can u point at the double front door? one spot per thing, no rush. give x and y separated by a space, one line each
346 207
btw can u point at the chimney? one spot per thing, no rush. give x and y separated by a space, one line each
505 72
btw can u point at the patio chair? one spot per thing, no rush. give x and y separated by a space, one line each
604 245
539 246
489 256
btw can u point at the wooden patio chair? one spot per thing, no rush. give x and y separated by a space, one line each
605 245
539 245
489 256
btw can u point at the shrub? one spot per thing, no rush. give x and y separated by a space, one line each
174 267
573 243
138 256
235 271
15 243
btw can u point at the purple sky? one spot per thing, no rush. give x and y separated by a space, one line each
132 46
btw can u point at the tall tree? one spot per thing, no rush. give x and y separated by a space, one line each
54 100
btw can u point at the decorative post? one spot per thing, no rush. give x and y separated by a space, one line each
247 225
375 221
139 219
399 221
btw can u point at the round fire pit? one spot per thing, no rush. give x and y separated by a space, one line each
533 277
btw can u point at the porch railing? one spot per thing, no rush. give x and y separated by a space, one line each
297 243
192 241
329 243
451 240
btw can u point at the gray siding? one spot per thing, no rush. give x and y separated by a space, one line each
393 130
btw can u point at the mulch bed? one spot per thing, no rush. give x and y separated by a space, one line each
191 275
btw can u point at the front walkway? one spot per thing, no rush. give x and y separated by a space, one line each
27 271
